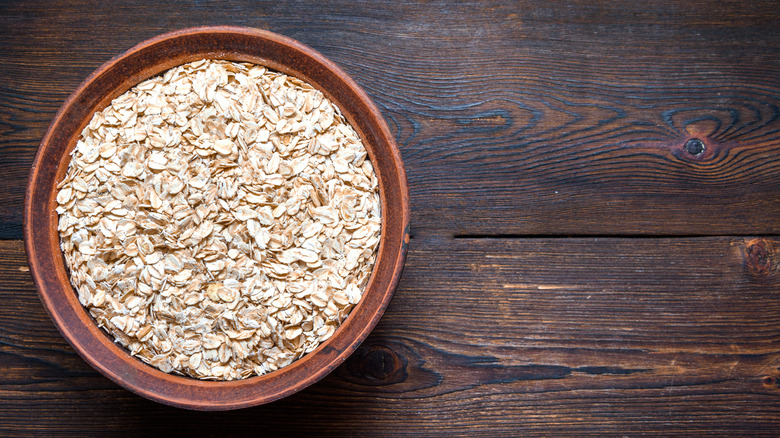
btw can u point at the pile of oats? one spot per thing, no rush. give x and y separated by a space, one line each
220 220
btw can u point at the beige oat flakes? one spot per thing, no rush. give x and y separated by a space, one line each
220 220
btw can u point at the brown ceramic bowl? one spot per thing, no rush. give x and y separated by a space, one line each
148 59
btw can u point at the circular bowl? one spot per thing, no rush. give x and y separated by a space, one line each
149 59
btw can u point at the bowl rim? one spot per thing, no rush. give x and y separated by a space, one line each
186 392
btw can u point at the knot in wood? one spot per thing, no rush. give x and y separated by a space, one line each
376 365
381 363
759 257
695 147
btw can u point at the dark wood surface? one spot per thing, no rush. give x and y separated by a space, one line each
574 268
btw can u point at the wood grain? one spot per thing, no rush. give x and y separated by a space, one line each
526 121
620 336
531 118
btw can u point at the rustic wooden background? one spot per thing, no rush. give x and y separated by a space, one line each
575 268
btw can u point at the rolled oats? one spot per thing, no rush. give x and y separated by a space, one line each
220 220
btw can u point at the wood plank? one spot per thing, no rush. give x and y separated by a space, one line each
484 336
537 118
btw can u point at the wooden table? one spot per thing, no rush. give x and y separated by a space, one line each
595 194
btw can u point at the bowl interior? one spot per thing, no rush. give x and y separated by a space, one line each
149 59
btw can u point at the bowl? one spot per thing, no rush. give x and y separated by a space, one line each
149 59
